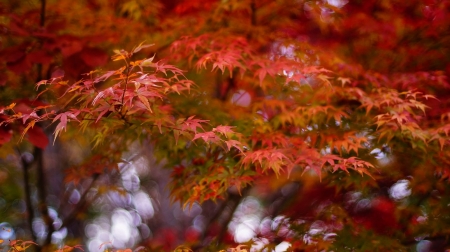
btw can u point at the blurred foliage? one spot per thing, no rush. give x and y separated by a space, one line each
287 125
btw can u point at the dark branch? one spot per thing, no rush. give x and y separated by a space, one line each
42 195
26 181
81 204
42 21
253 12
234 200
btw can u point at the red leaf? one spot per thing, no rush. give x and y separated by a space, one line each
69 45
39 57
224 130
14 53
3 79
94 57
16 27
192 124
55 26
63 121
5 132
234 143
74 66
37 137
19 66
105 76
146 103
207 137
23 107
104 110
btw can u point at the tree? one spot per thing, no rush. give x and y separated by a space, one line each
308 125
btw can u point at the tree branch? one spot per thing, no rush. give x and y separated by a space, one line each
38 157
234 200
27 189
253 12
42 195
82 203
42 21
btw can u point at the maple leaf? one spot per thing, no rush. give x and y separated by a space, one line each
20 245
224 130
160 66
234 143
105 76
144 100
208 137
68 248
63 119
29 125
31 115
328 89
102 94
192 124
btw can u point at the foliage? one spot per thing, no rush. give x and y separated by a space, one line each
308 125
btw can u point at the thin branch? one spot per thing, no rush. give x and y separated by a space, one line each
42 21
38 158
253 12
42 195
27 189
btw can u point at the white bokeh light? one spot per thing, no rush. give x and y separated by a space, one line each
241 98
283 246
120 228
400 190
143 204
243 233
246 221
337 3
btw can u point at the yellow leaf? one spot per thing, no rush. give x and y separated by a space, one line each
10 106
30 125
118 57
